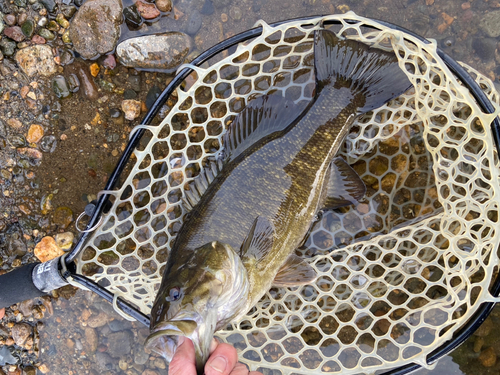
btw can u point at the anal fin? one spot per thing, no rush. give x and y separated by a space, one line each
296 271
345 187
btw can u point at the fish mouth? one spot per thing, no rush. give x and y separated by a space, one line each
164 339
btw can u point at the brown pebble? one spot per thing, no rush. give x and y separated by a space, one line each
14 123
37 39
30 152
10 19
35 133
223 17
164 5
47 249
488 357
478 344
147 11
465 5
24 91
21 18
44 368
14 33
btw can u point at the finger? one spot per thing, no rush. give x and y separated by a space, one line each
239 369
222 360
213 345
183 362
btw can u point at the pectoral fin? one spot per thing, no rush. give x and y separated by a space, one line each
345 187
295 272
259 240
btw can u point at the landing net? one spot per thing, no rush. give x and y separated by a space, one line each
399 273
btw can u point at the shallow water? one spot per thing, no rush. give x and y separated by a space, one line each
88 155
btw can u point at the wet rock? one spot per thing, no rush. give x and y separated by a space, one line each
95 29
22 17
50 5
46 34
47 249
490 23
147 11
48 143
131 108
36 60
64 240
140 355
153 94
98 320
132 17
6 356
163 51
35 133
15 33
10 19
208 8
164 5
87 84
109 62
20 333
26 307
120 343
194 23
73 83
63 217
61 20
488 357
485 48
14 123
37 39
235 13
67 10
20 3
60 87
28 28
129 94
104 361
7 46
91 339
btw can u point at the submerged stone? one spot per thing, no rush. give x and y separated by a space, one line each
132 17
28 28
194 23
153 94
7 46
155 52
60 87
14 33
95 29
36 59
50 5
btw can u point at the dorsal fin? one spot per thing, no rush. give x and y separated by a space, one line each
200 184
258 242
262 117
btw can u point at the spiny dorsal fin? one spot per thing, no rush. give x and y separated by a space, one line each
372 75
259 240
294 272
345 187
200 184
262 117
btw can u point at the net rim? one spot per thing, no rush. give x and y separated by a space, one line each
458 71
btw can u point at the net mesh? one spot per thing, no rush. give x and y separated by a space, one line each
399 273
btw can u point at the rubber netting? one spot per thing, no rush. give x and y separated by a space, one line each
399 273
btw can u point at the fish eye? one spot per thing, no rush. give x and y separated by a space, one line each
174 294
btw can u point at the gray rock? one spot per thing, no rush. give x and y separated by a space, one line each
7 46
120 343
95 28
490 23
6 356
140 356
36 59
119 325
194 23
485 48
160 52
50 5
104 361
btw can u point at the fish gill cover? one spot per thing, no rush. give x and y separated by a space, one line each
399 272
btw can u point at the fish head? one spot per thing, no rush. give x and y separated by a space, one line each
199 294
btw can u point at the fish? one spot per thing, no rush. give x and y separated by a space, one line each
252 206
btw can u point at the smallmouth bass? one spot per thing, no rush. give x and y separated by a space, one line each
254 205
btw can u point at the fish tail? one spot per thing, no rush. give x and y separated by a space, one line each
373 75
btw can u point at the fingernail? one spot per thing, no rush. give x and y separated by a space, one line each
218 364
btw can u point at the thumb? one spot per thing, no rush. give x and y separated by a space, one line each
183 361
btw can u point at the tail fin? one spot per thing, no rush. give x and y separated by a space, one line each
373 75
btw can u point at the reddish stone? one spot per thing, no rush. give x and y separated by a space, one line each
37 39
15 33
109 62
147 11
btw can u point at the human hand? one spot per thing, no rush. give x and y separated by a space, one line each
223 360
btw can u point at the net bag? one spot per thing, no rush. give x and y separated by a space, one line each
400 274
